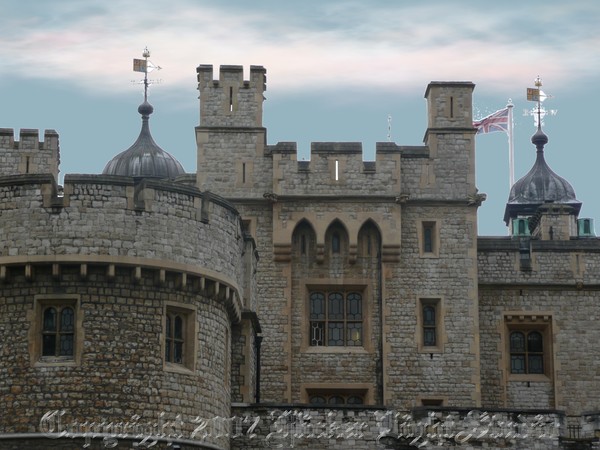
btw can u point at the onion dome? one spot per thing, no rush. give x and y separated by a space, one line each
144 158
540 185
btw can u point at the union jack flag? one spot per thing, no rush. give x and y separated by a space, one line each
497 121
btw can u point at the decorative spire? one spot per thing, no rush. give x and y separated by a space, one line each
144 158
540 185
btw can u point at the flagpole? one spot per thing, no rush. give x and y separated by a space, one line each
511 145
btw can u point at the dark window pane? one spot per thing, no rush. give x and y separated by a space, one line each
336 400
535 364
316 333
317 306
354 400
317 400
535 342
168 354
67 320
49 319
354 306
49 345
178 331
169 327
517 341
429 315
517 363
354 337
335 243
178 352
336 306
303 245
429 337
66 345
335 332
427 238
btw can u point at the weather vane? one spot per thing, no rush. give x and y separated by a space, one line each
389 134
145 66
538 112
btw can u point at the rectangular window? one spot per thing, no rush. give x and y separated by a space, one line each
528 345
429 325
336 318
179 342
56 330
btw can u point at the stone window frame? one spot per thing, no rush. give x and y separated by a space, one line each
540 322
40 304
431 249
343 390
190 341
361 286
440 335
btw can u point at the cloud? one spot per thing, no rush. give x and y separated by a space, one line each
337 44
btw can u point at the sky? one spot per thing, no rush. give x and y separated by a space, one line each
336 70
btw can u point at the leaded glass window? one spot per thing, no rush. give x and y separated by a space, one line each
58 331
174 338
336 318
526 352
429 326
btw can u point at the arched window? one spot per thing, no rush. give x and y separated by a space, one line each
303 241
336 240
369 240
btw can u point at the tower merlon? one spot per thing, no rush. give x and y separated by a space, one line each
232 74
28 139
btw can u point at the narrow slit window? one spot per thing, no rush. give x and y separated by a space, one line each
337 170
244 173
230 99
429 237
335 243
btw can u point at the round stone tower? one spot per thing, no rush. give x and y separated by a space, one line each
117 301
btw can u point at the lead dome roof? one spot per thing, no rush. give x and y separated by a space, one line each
540 185
144 158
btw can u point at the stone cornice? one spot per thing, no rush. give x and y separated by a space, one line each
221 287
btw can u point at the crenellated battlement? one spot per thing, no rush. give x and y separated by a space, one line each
338 168
28 154
233 74
152 223
231 101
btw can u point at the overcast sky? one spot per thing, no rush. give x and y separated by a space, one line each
336 70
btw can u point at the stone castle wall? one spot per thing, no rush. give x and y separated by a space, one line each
561 289
121 253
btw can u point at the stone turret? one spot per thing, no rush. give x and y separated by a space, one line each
230 138
28 155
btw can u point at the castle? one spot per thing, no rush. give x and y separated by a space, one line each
269 302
